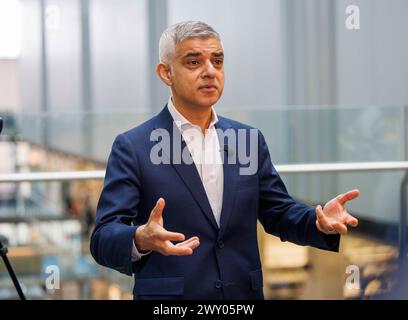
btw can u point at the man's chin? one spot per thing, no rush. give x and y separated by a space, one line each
208 101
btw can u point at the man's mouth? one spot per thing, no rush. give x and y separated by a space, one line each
208 88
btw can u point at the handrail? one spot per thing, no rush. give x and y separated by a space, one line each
342 167
52 176
282 169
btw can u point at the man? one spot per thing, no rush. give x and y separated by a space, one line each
186 226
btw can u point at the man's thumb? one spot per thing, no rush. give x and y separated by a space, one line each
158 208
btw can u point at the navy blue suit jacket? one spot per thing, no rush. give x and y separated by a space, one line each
226 265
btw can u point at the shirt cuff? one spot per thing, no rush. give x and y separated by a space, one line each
136 255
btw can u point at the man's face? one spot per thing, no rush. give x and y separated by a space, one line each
197 73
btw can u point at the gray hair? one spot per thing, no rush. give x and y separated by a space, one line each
176 33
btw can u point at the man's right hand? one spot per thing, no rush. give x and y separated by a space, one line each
153 236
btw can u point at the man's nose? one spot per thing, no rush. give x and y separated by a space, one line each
209 70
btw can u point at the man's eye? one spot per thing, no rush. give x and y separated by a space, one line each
219 61
193 62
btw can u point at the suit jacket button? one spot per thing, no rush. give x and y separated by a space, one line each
220 244
218 284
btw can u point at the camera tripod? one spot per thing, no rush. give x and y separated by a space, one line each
3 254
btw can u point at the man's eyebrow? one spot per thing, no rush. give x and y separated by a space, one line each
192 54
197 54
218 54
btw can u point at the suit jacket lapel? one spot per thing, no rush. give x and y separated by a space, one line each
231 175
187 172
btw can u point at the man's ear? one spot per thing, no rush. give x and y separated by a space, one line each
163 71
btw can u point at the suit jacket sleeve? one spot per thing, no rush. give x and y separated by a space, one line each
281 215
112 238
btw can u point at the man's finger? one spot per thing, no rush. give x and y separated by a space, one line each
194 244
349 195
171 249
172 236
318 226
158 208
352 221
187 242
319 212
324 224
321 217
190 244
326 229
339 227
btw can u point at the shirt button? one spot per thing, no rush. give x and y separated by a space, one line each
218 284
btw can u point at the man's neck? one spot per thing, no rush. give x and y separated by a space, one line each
199 116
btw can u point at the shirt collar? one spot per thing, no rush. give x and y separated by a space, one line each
182 122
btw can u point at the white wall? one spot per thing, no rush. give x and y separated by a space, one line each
119 54
372 62
29 62
64 54
9 89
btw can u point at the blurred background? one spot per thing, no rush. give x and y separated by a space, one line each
76 73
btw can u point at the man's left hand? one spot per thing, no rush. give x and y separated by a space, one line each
334 218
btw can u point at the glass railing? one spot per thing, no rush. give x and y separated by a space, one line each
295 134
306 134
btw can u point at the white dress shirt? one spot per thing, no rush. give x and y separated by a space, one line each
206 153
